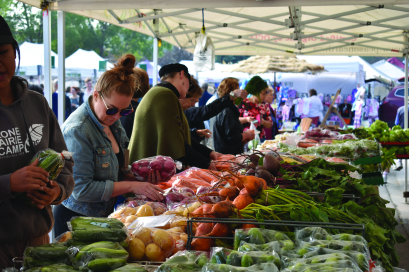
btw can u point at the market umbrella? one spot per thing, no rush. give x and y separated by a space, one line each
264 64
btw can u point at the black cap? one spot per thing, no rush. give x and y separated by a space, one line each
173 67
6 37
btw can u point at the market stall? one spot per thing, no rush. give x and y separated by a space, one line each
301 202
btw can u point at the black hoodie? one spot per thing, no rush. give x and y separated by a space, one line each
20 222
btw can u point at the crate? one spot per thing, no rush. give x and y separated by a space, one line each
280 223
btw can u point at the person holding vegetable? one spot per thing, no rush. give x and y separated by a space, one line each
161 127
255 107
229 137
96 137
197 115
27 125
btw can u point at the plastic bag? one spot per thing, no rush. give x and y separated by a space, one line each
53 267
10 269
45 255
257 236
151 244
347 266
315 259
205 194
204 54
186 260
157 207
222 255
267 267
362 260
253 143
281 247
165 165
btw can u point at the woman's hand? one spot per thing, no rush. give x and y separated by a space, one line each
266 124
147 189
204 133
248 135
239 93
215 155
46 195
212 166
29 178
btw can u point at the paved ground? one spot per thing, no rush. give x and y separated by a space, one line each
393 191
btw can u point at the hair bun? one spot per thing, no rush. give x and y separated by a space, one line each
126 63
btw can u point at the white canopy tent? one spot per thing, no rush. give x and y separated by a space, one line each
388 69
31 57
86 62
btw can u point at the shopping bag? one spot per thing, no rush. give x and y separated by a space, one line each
204 54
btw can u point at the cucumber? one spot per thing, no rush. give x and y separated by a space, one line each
130 268
49 253
30 262
58 268
74 243
246 261
178 259
96 222
105 264
104 253
108 245
96 235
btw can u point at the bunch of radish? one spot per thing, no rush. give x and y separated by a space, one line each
165 165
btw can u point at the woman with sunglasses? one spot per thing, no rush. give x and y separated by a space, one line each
96 137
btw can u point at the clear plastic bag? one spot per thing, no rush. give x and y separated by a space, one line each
222 255
165 165
152 244
81 257
45 255
187 260
52 161
281 247
257 236
346 266
253 143
334 257
266 267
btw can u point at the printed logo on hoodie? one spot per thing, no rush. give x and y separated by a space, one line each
12 144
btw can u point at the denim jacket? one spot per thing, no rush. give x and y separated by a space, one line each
96 166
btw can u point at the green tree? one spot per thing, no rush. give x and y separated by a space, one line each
5 6
175 55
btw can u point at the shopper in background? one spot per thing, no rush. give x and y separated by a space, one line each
273 131
36 88
55 101
400 120
26 117
254 108
316 107
205 96
75 98
88 88
228 137
142 87
161 127
68 91
97 139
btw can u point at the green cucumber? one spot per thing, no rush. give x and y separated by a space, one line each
96 222
49 253
105 264
94 235
246 261
108 245
104 253
130 268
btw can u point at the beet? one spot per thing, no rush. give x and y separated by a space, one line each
275 155
271 164
254 158
264 174
260 167
250 172
230 192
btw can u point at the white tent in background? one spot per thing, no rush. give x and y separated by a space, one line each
32 55
389 69
86 62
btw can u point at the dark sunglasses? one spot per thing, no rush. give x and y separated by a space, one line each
114 111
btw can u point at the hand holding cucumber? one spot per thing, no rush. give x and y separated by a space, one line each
28 178
46 195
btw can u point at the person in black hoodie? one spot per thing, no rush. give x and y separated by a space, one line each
197 115
229 137
27 125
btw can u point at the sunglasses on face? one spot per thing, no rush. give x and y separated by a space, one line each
113 111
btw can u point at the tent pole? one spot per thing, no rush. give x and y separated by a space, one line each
47 56
406 111
61 66
155 61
